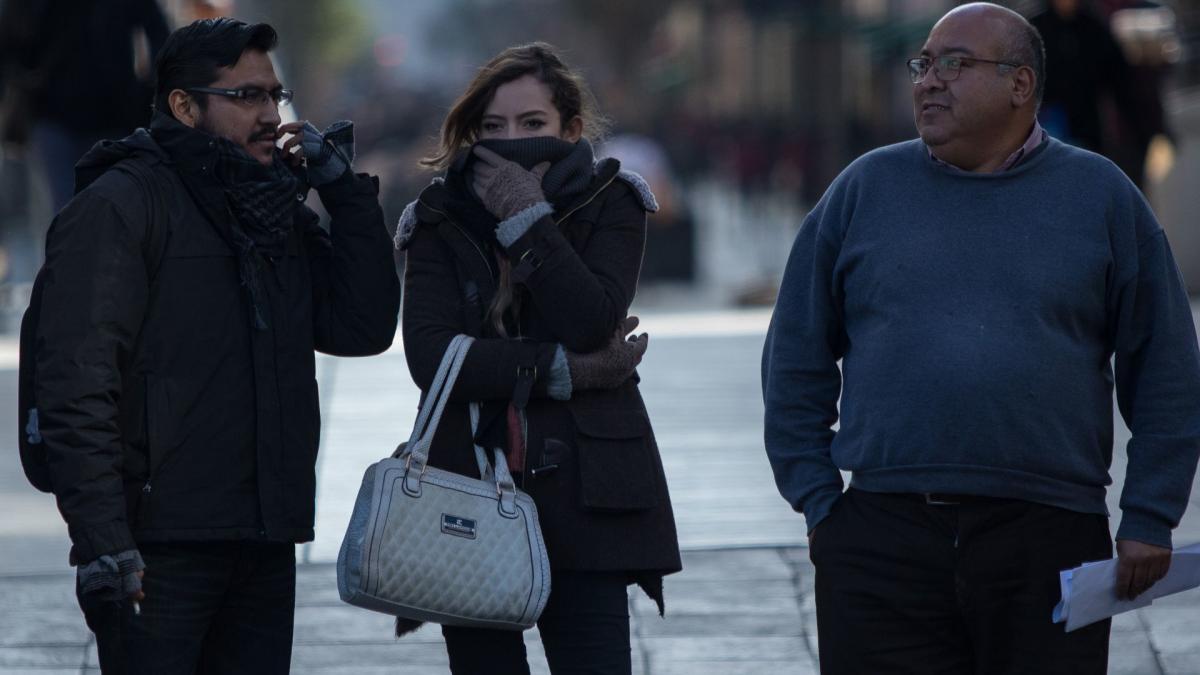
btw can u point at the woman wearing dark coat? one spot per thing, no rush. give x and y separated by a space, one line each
534 248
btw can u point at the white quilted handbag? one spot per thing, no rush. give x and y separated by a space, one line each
430 545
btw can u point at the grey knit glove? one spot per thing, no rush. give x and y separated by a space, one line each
328 154
505 187
612 364
112 577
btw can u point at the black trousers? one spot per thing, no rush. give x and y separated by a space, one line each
210 607
584 629
903 586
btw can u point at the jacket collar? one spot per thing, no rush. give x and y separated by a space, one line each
189 149
193 154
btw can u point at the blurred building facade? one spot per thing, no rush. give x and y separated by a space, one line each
742 111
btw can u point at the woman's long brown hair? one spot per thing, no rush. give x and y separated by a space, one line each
570 96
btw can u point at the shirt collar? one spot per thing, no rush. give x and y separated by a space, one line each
1036 138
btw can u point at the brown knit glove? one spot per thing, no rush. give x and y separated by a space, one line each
612 364
505 187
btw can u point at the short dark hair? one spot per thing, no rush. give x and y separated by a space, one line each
191 55
1024 45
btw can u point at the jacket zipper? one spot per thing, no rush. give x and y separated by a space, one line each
463 233
595 194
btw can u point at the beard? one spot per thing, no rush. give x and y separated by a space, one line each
263 133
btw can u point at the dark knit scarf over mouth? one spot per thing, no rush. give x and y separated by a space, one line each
262 198
572 167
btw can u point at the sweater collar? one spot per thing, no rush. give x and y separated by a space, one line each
1036 137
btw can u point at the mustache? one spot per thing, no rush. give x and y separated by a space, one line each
263 134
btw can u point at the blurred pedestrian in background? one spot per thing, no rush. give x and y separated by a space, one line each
1089 81
974 285
71 67
534 248
1147 33
184 291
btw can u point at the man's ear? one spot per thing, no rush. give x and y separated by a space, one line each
1024 87
183 107
573 129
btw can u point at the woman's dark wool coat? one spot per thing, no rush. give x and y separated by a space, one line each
593 466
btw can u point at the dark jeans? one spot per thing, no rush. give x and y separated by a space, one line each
584 629
903 586
210 607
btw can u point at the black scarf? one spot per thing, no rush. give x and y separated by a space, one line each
263 201
572 167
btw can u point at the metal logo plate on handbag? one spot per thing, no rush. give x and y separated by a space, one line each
459 527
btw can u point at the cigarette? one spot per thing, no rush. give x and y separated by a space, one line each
137 608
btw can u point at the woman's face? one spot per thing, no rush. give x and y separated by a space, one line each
524 108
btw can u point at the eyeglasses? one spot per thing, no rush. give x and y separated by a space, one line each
249 96
948 67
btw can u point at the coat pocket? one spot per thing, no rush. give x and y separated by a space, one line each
615 468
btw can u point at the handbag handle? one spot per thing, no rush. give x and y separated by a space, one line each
416 451
434 394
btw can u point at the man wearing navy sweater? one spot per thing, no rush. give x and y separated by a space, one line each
975 285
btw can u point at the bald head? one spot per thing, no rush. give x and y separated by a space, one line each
1020 41
977 101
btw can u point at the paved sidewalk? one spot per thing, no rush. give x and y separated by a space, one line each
742 605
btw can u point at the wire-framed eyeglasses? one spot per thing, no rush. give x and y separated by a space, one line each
249 96
948 67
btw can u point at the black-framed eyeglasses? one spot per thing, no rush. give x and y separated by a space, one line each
948 67
250 96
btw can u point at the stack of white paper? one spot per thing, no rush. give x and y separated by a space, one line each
1089 591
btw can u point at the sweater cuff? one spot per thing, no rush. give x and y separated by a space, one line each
514 227
102 540
558 382
1143 527
818 507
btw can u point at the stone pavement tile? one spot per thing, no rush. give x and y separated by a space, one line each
355 669
342 623
745 564
724 624
38 591
1175 636
316 585
1129 653
414 654
749 667
50 627
710 654
64 656
42 671
318 656
1129 621
719 597
803 576
1176 664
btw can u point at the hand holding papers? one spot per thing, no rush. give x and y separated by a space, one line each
1089 591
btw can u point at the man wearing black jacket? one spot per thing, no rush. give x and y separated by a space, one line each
186 287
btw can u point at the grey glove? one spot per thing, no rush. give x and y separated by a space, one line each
329 154
505 187
612 364
112 577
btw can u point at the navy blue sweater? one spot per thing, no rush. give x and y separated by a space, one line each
975 317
